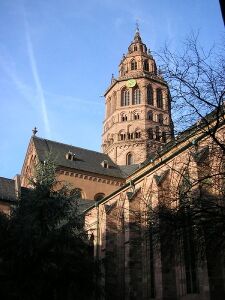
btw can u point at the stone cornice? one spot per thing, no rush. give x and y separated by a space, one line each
138 75
90 177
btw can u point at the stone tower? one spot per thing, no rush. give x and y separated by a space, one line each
138 118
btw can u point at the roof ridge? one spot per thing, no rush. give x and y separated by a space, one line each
36 137
1 177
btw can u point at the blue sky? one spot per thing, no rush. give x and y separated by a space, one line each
57 57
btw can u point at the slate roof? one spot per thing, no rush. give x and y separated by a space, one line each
128 170
7 189
85 160
84 204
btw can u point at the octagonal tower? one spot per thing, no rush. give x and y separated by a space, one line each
137 103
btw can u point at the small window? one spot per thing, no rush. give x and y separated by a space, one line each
70 156
78 193
149 95
122 136
137 134
159 98
136 96
130 136
133 64
124 118
160 119
150 115
136 116
157 135
99 196
105 164
164 137
150 133
135 48
129 159
122 72
146 65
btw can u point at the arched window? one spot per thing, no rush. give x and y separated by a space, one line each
159 98
78 193
136 116
137 134
164 137
136 96
135 48
129 159
146 65
133 64
150 133
122 136
105 164
150 115
99 196
157 135
160 119
149 95
130 136
141 48
124 118
125 99
122 71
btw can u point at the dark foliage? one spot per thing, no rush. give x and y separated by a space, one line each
44 251
196 78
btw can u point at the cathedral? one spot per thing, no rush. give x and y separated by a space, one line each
141 165
137 123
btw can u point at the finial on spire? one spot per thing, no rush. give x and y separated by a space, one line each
137 37
137 26
34 131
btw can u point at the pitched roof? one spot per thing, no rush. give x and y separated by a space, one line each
128 170
85 160
84 204
7 189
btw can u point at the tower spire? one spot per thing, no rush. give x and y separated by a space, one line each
139 102
137 37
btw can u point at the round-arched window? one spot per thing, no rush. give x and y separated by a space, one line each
159 98
125 97
149 95
146 65
129 159
79 193
150 115
136 96
133 64
99 196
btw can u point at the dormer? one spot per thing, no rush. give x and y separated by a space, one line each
105 164
70 156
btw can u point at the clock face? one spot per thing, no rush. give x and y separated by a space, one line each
131 83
